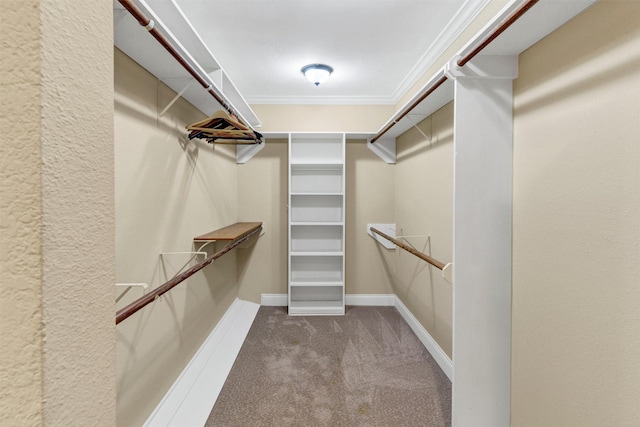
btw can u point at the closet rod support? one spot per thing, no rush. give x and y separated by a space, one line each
398 243
175 99
185 253
430 88
132 285
415 125
146 22
142 302
496 32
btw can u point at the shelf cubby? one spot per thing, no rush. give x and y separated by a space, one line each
316 179
316 238
317 208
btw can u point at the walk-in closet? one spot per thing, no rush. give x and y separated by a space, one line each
320 213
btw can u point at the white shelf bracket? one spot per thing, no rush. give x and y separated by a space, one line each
175 98
128 287
194 255
245 152
415 125
216 78
388 229
385 148
144 286
447 273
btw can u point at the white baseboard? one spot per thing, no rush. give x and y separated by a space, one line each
192 396
427 340
280 300
274 300
370 299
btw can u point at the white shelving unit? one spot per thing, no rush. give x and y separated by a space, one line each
316 223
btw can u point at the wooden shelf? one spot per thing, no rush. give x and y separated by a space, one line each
230 232
236 234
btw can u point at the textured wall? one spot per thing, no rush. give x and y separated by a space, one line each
78 215
576 224
20 216
424 207
168 190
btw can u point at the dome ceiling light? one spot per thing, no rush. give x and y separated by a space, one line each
317 73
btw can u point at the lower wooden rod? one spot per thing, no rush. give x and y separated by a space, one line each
408 248
143 301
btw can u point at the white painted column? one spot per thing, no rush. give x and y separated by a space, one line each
482 240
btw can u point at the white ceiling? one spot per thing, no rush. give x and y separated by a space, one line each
252 50
378 48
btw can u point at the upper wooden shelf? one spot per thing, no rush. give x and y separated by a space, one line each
230 232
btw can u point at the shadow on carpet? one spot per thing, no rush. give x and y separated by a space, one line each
366 368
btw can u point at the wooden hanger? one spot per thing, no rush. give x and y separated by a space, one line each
222 125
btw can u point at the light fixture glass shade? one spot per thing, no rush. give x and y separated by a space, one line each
317 73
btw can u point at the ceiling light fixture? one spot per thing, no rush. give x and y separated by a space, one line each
317 73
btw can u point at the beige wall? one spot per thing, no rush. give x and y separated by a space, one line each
78 214
576 224
576 228
424 213
262 192
263 189
57 215
168 190
369 199
321 118
262 196
21 332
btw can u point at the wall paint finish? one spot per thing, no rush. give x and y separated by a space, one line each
369 268
424 208
168 190
262 196
21 402
262 190
78 213
576 224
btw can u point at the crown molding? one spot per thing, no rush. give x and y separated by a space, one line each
466 13
321 100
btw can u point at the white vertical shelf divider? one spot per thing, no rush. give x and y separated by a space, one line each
316 223
482 211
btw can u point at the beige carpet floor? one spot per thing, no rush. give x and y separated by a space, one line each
366 368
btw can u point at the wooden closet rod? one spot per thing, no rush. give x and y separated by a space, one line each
461 62
149 25
400 116
408 248
151 296
495 33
